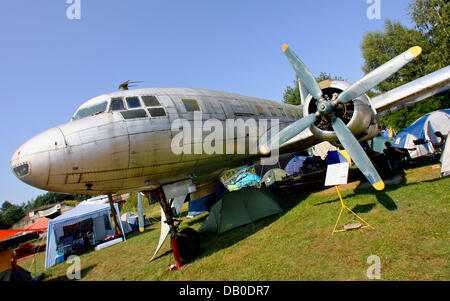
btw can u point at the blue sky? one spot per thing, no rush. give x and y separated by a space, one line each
49 64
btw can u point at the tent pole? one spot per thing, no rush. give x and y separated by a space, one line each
114 214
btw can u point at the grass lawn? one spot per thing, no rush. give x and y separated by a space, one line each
411 238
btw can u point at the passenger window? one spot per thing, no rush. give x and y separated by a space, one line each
291 113
117 104
156 112
131 114
191 105
260 110
272 111
150 101
133 102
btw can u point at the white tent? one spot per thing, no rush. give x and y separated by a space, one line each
95 216
420 136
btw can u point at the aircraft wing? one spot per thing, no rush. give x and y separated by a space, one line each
412 92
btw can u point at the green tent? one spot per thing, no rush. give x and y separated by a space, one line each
273 175
240 208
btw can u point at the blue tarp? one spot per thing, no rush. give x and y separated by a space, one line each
199 206
80 213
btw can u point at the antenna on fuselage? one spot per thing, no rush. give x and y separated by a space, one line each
126 85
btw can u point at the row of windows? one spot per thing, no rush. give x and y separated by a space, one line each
131 107
292 112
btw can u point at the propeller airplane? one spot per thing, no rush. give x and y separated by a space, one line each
123 141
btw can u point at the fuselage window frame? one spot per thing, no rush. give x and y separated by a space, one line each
153 110
153 101
114 99
260 110
191 105
133 105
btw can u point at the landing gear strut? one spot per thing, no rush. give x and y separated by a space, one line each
185 243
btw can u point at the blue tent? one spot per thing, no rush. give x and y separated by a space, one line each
97 213
419 137
295 165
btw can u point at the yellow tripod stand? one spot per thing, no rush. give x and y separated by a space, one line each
349 226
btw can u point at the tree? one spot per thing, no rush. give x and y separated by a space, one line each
292 95
10 214
432 20
431 33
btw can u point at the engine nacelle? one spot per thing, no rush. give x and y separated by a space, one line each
358 114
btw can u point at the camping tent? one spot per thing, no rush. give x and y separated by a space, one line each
295 165
419 137
244 180
92 216
273 175
239 208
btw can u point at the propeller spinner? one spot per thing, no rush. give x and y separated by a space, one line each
327 108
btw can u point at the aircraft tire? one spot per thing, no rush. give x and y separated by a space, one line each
188 244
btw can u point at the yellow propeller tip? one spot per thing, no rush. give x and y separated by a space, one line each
379 185
264 150
416 50
285 46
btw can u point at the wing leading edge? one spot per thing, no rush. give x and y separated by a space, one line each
412 92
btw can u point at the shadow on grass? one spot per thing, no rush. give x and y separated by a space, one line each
363 208
83 274
287 199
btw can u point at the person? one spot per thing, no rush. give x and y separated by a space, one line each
395 154
7 259
440 146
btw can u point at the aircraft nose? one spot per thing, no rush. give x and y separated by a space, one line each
31 162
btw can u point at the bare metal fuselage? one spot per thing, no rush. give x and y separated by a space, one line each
106 153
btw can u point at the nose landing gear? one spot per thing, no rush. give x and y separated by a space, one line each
185 243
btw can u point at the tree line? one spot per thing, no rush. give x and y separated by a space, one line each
11 213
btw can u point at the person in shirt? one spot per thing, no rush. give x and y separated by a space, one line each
7 258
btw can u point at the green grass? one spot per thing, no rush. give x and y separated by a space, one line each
411 237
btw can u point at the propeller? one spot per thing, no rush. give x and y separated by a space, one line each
126 85
327 108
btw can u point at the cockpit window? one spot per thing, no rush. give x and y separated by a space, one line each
133 114
133 102
157 112
150 101
117 104
92 110
22 170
